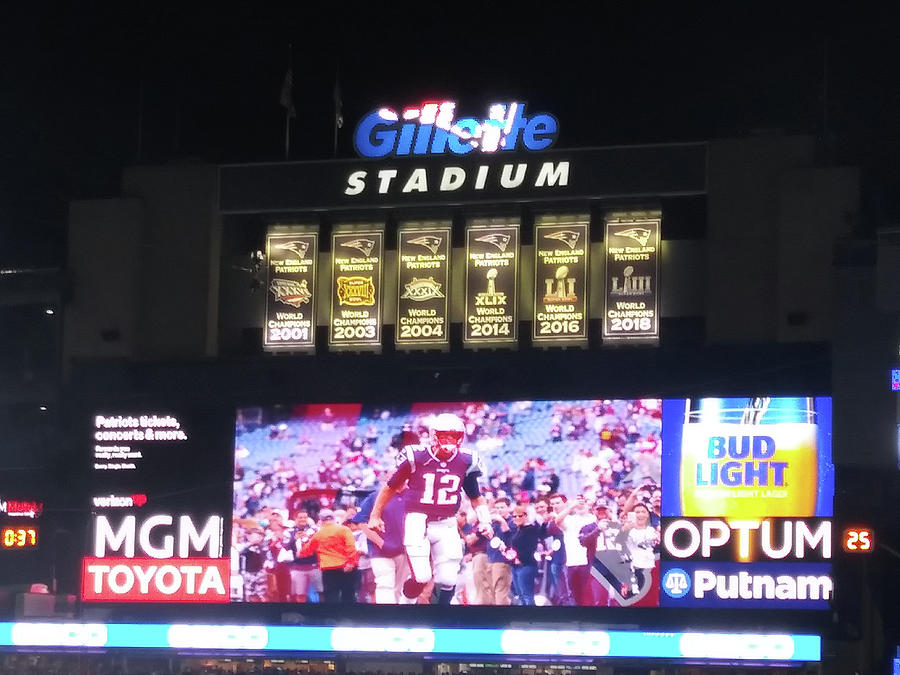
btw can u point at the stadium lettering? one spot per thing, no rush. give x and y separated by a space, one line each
452 178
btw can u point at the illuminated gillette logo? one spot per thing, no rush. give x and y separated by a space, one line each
432 129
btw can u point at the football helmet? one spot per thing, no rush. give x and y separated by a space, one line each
447 434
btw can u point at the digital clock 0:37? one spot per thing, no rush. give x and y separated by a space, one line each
19 537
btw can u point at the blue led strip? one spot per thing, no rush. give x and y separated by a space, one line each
137 635
732 647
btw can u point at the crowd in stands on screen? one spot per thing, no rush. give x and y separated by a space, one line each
586 514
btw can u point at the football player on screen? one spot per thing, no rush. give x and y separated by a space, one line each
434 474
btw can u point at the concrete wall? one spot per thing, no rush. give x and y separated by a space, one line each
742 229
887 270
816 208
864 349
774 219
682 289
101 319
179 259
145 268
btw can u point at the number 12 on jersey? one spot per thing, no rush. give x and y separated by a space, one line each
447 489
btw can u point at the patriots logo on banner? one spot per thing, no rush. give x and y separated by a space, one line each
298 247
568 237
364 246
496 238
430 242
639 234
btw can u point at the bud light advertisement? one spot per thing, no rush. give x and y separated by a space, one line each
745 458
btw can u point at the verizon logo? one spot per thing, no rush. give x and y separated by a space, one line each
116 501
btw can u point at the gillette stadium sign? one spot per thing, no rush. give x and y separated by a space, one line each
433 129
425 154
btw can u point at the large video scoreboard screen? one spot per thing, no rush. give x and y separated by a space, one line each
695 503
603 503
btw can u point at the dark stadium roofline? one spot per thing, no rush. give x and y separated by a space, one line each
511 200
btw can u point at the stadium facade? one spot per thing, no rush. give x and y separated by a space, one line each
759 288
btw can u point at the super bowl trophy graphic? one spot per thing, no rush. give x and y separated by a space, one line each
491 275
564 290
630 284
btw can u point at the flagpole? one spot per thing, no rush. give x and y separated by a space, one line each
287 133
140 129
825 92
338 104
290 107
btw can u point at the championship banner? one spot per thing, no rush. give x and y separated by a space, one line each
631 305
357 257
561 258
423 282
291 253
492 278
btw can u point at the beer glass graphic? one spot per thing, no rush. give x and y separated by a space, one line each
749 458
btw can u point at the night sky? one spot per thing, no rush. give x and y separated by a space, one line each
71 80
